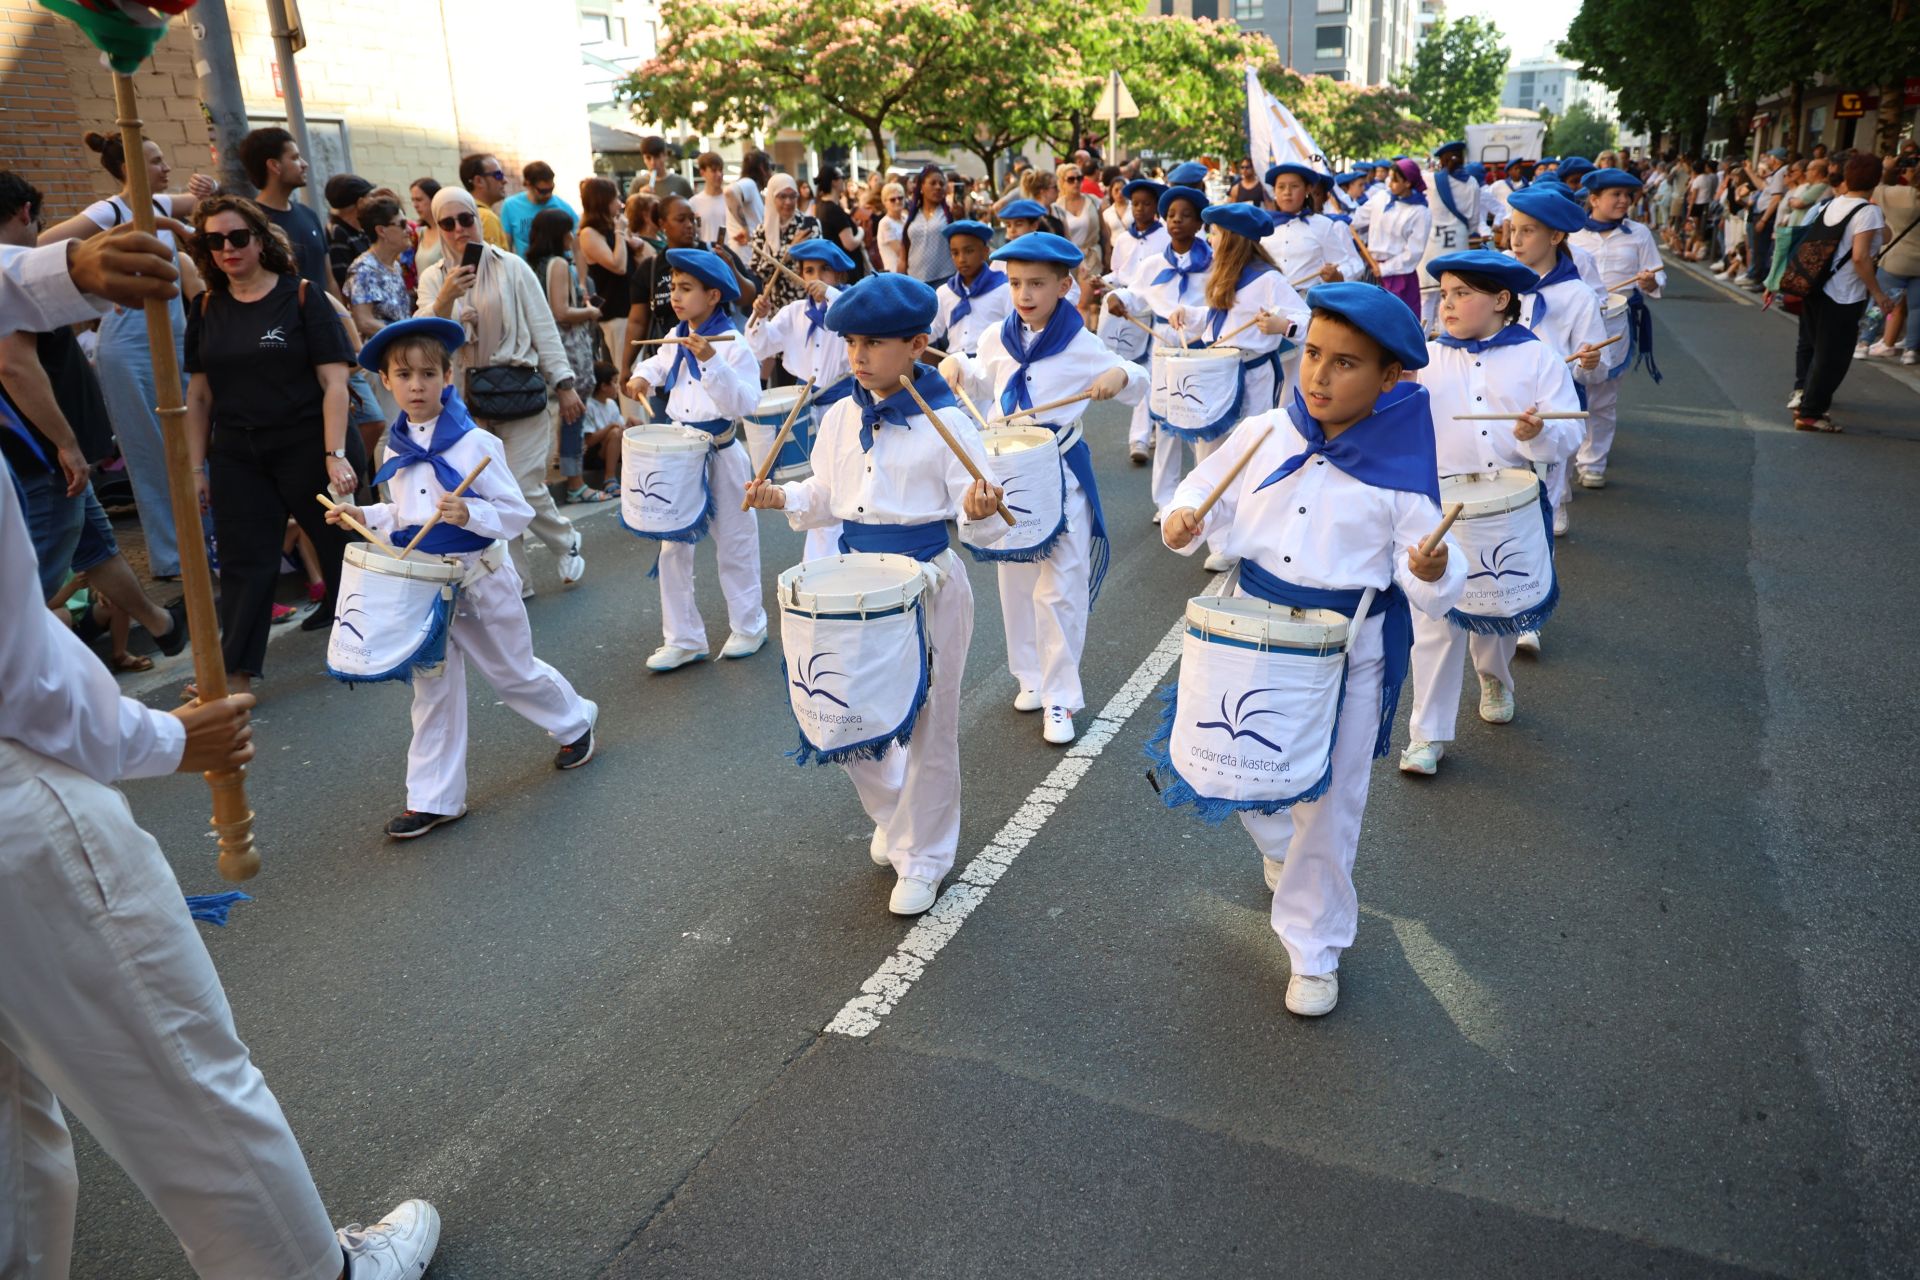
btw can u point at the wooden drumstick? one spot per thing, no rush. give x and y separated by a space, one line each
1141 324
1200 512
786 429
966 459
654 342
792 275
1309 278
1236 331
1043 408
1631 282
355 525
966 402
1596 346
434 519
1365 253
1508 417
1432 542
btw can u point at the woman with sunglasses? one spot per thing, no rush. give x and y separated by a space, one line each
266 419
892 224
378 293
511 361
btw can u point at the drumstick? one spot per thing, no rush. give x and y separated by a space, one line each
710 337
1130 320
786 428
1236 331
1629 282
1200 512
1043 408
355 525
1432 542
434 519
1365 253
1596 346
792 275
1508 417
966 402
966 459
1180 331
1309 278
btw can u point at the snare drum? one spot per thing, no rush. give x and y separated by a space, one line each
763 425
1614 310
1506 531
1196 390
1025 462
854 641
1123 337
665 492
392 617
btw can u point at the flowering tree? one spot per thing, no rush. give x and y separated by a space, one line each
1191 70
1350 121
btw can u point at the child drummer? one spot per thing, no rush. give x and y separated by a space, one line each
1484 361
881 470
711 381
974 299
1143 235
1339 498
1041 353
428 450
1625 252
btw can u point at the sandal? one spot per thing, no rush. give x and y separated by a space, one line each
587 493
129 662
282 613
610 487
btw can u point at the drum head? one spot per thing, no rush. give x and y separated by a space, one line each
430 568
1256 622
777 403
1015 439
855 582
1614 307
1175 355
1488 493
665 437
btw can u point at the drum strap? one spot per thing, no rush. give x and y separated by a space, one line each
923 542
1396 629
723 430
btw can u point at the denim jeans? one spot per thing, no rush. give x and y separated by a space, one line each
1908 287
53 525
126 380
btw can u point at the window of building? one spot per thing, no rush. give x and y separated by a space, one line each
596 28
1329 43
1526 77
1249 10
1333 6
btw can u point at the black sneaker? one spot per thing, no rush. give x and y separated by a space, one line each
174 639
414 823
575 753
318 620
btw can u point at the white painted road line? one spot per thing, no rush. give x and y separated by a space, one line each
880 994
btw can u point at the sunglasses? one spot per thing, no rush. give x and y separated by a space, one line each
498 175
457 220
218 240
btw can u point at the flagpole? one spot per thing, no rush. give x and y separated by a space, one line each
1113 121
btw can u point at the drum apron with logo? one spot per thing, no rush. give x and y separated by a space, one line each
1025 461
1506 531
664 489
763 425
1123 337
1196 391
854 639
392 617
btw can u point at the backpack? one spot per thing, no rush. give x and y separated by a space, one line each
1810 256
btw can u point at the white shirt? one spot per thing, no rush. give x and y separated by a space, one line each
1846 286
821 355
1305 245
1622 254
711 214
986 312
56 698
37 294
893 248
1054 378
1494 199
1141 296
1129 249
1398 236
1466 195
115 211
1573 321
1319 527
728 385
1371 203
1499 380
495 507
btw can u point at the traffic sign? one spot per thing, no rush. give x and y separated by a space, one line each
1115 102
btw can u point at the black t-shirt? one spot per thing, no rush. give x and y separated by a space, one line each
308 238
651 281
259 357
77 392
833 220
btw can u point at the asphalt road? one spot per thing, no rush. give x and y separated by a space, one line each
1632 993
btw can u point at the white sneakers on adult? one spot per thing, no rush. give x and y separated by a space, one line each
1910 357
1059 726
912 895
1592 479
1270 869
1496 701
666 658
1027 700
1528 642
1220 562
1313 995
1793 401
1880 350
739 646
573 565
1422 757
398 1247
877 849
1560 520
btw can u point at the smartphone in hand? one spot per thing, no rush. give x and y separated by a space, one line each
474 252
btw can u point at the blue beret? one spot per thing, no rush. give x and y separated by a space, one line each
446 332
1380 315
1778 153
884 305
1040 246
1190 174
1143 184
1351 175
1608 179
1549 159
1475 170
1510 272
1024 209
1198 199
1303 172
825 252
968 227
1458 144
1545 205
707 267
1573 166
1241 218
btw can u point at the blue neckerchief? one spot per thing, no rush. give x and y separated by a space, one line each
1412 197
1603 226
404 451
921 541
1062 327
1443 186
1339 217
824 399
985 282
1282 219
1390 448
899 407
1216 318
816 315
1512 335
1138 234
1564 269
1199 258
718 322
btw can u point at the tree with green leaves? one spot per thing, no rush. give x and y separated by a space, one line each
1580 133
1657 58
1457 74
1193 75
1350 121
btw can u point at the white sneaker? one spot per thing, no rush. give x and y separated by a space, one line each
1880 350
1219 562
877 849
1422 757
1793 401
666 657
739 646
526 589
1592 479
1059 727
1859 351
573 565
1560 520
912 895
1910 357
1027 700
1138 455
1496 701
1270 869
398 1247
1312 995
1528 642
1156 517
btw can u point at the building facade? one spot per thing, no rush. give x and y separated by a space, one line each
1554 85
1365 41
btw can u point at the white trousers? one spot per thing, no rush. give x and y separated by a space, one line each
1315 909
736 543
491 631
110 1003
821 543
1438 647
529 444
1043 604
1603 411
1140 425
1168 469
913 792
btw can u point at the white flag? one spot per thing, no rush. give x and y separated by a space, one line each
1273 135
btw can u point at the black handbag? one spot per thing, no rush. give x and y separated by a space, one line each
504 392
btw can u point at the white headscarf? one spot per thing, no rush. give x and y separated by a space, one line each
480 312
772 227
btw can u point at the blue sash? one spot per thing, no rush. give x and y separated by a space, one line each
1443 187
921 541
443 539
